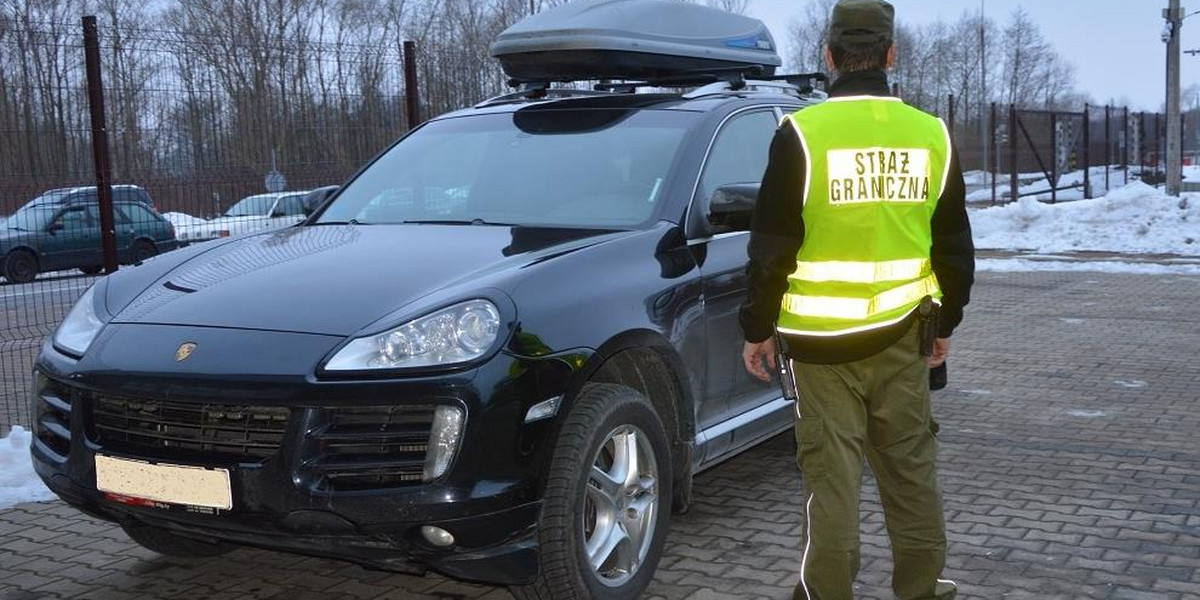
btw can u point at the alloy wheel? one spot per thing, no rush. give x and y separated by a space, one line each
620 508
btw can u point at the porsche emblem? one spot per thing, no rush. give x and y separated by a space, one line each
184 351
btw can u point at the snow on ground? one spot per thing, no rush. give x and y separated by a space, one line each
182 219
1135 219
18 482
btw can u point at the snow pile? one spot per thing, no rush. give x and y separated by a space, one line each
18 482
1136 219
183 220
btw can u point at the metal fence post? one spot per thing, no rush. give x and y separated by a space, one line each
995 158
1054 158
1157 135
1014 180
1143 156
108 233
1087 151
1107 145
1125 150
411 87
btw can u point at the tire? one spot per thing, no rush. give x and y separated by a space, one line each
606 424
20 266
91 270
165 542
143 250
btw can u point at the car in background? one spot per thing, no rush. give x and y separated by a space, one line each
261 212
86 194
59 235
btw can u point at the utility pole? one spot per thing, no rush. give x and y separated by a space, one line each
1174 17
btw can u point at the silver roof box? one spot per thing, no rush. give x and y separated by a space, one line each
632 40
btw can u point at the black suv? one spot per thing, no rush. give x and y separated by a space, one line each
501 351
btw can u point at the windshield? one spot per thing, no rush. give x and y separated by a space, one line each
563 168
254 206
32 217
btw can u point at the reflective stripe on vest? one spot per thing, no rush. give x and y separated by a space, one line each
863 272
874 173
858 309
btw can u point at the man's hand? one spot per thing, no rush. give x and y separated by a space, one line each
941 351
753 355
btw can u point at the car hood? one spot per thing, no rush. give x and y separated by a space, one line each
333 280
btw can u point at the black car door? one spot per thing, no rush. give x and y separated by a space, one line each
738 156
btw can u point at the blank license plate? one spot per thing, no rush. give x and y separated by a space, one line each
174 484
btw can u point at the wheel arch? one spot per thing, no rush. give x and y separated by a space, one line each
645 360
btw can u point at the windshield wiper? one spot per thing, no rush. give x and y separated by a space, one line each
350 222
458 222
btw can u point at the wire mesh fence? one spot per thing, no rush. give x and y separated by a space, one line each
208 136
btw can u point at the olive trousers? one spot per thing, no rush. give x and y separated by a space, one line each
877 408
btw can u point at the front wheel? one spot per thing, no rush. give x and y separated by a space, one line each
608 496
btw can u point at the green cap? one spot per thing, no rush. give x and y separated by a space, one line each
861 22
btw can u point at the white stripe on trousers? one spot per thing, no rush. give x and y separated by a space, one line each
807 544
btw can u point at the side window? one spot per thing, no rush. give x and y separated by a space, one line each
740 152
121 214
140 214
72 220
290 206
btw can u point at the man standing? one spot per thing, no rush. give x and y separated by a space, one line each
861 259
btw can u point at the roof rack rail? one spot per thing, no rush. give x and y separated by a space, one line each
801 84
537 91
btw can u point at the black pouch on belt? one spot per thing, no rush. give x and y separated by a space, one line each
787 379
928 322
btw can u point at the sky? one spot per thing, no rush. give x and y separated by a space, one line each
1115 45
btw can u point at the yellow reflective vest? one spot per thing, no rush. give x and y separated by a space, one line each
875 170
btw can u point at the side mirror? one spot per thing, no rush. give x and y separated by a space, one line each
732 207
55 227
316 198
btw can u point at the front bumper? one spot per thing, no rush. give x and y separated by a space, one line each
489 500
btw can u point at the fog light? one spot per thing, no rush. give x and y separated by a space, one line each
443 441
437 536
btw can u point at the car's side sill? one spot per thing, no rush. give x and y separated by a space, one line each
757 425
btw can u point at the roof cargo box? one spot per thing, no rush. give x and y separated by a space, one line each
632 39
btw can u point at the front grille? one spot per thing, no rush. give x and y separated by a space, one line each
52 409
367 448
219 430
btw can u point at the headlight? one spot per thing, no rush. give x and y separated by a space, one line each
454 335
80 327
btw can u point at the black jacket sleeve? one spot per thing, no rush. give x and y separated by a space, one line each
776 233
953 252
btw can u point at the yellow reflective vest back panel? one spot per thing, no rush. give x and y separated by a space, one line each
875 170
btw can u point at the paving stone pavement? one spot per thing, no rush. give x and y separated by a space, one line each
1070 464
